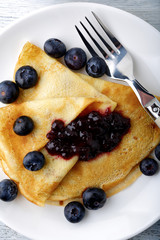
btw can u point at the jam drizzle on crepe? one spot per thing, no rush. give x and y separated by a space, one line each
87 136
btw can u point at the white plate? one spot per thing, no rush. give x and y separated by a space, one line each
137 207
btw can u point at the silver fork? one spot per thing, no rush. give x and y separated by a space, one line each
120 67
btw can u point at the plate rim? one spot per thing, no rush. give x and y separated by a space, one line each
43 9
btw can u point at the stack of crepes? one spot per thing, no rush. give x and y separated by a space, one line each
62 94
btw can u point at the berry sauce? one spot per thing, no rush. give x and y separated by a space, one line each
87 136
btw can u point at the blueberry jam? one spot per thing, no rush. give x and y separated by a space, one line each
87 136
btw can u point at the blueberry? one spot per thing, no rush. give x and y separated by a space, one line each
99 131
26 77
75 58
92 154
94 117
54 48
70 132
157 152
96 67
50 135
105 144
148 166
73 148
118 123
85 136
9 92
79 123
54 147
115 138
34 161
84 153
8 190
94 198
66 154
61 134
23 125
95 145
74 212
72 126
94 121
57 126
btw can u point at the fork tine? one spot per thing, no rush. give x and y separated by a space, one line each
88 46
95 42
109 34
102 39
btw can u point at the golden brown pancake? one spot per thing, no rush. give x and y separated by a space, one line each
37 186
54 97
127 181
116 170
112 171
55 80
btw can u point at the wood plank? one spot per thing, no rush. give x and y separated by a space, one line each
149 10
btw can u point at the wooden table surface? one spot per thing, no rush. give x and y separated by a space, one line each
149 10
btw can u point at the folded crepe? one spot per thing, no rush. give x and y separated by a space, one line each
60 89
55 80
116 170
59 94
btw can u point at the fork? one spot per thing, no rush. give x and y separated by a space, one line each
120 66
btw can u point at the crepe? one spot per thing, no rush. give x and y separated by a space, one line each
55 80
63 94
116 170
59 94
127 181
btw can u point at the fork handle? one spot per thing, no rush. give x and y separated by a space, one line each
149 102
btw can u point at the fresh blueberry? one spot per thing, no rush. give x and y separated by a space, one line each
26 77
23 125
96 67
157 152
8 190
75 58
54 48
34 161
9 91
74 212
94 198
148 166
